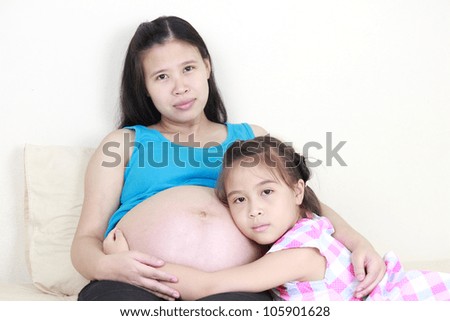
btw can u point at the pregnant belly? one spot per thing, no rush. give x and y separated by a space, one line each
188 225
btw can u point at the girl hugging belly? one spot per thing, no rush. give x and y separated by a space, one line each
188 225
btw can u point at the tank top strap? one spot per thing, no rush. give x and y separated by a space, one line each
144 134
241 131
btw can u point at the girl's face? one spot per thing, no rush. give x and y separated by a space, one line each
262 205
176 78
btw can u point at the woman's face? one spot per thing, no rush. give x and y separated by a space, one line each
176 78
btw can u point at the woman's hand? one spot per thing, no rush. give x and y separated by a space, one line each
369 268
136 268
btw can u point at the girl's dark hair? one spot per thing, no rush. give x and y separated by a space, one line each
136 107
279 157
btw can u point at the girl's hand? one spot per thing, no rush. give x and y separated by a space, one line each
369 269
136 268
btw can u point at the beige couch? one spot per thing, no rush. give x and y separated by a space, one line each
54 192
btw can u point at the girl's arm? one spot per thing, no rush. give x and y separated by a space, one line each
273 269
103 187
364 257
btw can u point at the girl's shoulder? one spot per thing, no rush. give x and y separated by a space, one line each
307 232
319 224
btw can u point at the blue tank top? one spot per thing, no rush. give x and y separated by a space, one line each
157 164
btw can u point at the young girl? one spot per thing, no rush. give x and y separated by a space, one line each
264 184
154 177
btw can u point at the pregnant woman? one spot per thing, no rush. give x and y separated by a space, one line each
154 178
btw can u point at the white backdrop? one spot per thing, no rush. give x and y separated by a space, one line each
375 74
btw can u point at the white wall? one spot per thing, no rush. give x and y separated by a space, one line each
375 74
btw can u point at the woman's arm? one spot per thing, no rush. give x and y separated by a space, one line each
103 187
258 130
273 269
364 257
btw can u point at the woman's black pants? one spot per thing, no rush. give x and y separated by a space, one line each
118 291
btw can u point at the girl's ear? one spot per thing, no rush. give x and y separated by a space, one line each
299 190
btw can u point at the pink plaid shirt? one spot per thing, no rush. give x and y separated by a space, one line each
340 282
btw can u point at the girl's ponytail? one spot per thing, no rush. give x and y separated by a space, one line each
310 200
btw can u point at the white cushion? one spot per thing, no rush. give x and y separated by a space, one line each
53 198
